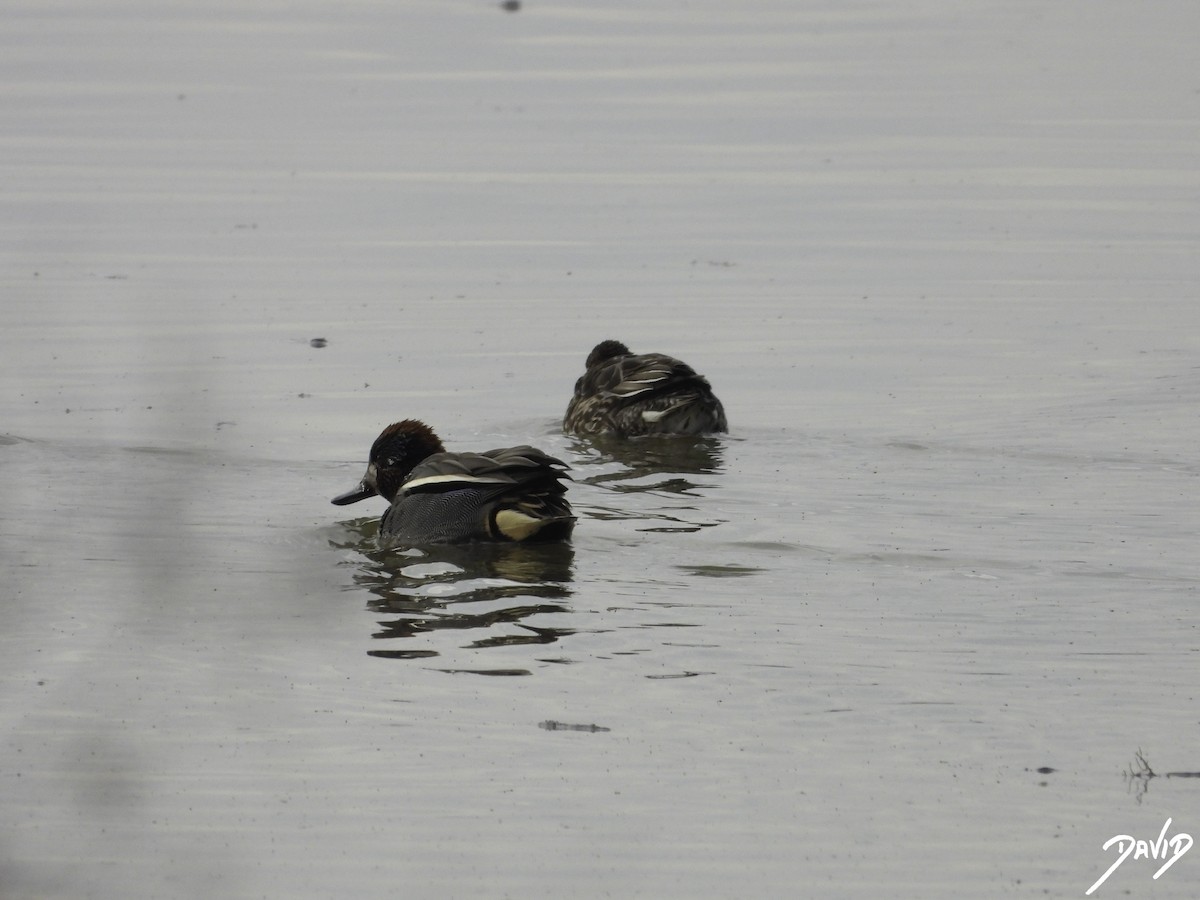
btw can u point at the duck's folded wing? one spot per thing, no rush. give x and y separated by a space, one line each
632 376
501 468
524 457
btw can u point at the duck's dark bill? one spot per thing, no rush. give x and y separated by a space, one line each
362 492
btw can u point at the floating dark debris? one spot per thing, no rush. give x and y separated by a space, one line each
677 675
402 654
551 725
1139 775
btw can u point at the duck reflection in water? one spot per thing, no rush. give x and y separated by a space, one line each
647 471
495 590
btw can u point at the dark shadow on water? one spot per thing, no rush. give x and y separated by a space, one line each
485 594
662 481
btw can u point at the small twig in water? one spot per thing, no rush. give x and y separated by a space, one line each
1140 774
1142 769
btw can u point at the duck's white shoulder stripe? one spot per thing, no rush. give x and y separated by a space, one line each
450 479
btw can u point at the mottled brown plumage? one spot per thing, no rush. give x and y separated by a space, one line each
627 395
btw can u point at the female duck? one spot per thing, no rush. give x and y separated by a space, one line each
509 494
625 395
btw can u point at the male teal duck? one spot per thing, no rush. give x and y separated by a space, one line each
626 394
509 494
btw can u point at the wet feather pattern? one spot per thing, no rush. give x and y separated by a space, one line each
626 394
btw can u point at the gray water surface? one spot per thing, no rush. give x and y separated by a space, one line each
903 631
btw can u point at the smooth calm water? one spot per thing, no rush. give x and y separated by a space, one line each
903 632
